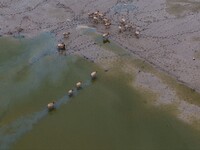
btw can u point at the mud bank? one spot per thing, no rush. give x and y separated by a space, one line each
169 37
161 56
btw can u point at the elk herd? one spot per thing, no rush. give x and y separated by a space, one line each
51 105
124 26
100 18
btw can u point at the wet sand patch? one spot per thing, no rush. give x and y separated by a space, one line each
180 8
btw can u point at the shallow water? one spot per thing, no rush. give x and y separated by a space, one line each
123 7
105 114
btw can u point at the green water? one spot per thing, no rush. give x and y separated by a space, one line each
105 115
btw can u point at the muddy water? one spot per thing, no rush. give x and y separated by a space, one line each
105 114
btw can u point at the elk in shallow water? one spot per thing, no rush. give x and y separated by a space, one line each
93 75
51 106
70 93
78 85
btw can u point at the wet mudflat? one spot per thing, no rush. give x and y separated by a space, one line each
105 114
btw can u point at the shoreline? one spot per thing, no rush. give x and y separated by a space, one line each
168 41
156 50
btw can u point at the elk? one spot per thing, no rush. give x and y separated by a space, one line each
66 34
78 85
96 20
123 21
93 75
70 93
51 106
61 46
107 25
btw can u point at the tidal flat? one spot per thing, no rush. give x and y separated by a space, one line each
108 113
